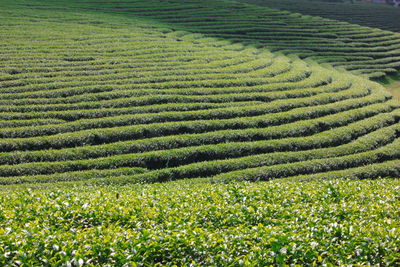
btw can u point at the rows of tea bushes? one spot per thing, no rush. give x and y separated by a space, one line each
384 17
126 142
109 99
364 51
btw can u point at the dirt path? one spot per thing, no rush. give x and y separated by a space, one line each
394 88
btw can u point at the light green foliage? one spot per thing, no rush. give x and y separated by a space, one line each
256 224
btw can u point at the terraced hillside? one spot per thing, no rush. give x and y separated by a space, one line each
372 15
101 98
98 110
362 50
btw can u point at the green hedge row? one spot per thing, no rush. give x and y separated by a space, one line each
367 142
175 157
387 153
114 121
92 102
85 93
72 115
98 136
174 141
297 73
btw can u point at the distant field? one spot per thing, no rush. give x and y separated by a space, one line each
372 15
361 50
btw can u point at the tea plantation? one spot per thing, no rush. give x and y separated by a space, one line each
141 133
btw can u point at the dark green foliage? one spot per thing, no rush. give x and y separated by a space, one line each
357 12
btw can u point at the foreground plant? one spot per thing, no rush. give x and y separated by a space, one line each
194 222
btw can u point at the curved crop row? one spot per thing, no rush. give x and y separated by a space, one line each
134 102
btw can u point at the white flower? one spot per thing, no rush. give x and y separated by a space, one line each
314 244
283 250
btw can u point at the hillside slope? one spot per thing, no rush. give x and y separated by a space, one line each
91 101
101 98
362 50
372 15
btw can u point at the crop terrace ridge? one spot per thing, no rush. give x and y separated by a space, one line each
135 104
